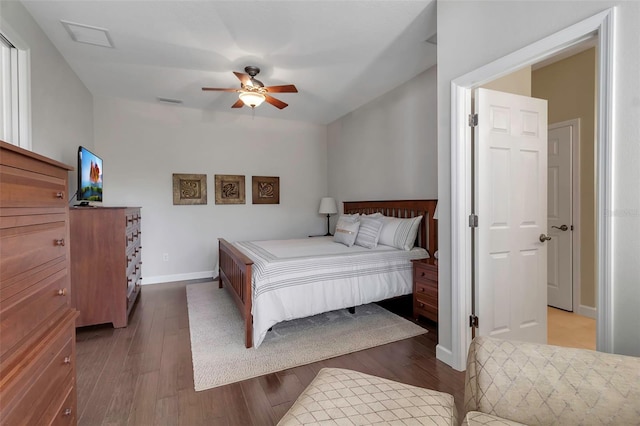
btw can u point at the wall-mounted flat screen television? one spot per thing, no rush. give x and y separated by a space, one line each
89 177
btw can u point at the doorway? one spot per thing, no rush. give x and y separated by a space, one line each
602 26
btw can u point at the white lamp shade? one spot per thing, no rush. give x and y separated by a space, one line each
435 213
328 206
251 99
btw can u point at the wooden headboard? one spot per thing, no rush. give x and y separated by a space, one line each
428 230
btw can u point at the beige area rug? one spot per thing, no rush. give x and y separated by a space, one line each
217 337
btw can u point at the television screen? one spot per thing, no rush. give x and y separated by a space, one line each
89 176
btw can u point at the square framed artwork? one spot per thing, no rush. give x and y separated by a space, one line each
230 189
189 189
265 190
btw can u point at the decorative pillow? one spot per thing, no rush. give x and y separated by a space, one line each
350 217
399 233
346 232
376 215
369 232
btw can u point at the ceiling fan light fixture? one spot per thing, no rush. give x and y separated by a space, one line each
251 99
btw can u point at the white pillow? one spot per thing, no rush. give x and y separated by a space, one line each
346 232
369 232
376 215
399 233
350 217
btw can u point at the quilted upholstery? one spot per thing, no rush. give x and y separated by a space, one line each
475 418
543 384
345 397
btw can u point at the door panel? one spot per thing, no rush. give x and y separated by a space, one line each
511 204
559 196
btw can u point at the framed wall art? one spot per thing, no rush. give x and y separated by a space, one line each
189 189
265 190
230 189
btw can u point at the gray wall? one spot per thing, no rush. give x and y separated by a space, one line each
386 149
61 105
143 144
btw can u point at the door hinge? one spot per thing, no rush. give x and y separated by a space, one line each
473 221
473 120
473 321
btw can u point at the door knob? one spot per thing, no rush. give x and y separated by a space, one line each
544 238
562 228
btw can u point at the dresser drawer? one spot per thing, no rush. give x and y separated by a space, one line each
33 382
22 314
22 188
27 247
132 219
65 413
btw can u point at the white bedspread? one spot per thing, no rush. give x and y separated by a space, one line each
299 278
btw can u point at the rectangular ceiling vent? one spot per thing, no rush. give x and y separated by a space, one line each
88 34
169 100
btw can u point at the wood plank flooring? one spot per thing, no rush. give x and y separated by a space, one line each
570 329
142 374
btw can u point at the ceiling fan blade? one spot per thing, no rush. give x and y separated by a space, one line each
244 78
218 89
238 104
275 102
287 88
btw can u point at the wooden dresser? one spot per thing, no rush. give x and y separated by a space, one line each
37 335
425 289
106 260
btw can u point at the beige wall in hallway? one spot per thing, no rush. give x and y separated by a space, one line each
569 86
518 83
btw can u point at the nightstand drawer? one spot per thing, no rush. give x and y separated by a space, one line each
425 308
428 290
423 274
425 289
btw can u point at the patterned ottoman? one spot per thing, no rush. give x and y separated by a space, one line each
346 397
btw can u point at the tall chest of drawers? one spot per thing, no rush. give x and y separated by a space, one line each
37 335
106 261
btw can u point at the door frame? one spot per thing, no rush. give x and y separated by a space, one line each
575 213
601 26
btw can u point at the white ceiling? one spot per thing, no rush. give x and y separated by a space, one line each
339 54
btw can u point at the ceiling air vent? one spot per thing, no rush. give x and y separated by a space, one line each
169 100
88 34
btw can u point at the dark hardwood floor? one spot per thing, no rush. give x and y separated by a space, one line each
142 374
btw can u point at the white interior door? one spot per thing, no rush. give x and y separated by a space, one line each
560 214
511 204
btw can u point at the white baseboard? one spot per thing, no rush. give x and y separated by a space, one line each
587 311
443 354
178 277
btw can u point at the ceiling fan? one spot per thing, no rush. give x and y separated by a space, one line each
252 92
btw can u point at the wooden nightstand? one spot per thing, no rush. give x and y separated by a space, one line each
425 289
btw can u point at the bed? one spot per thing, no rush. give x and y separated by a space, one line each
274 281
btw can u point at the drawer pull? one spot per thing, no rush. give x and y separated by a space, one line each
67 412
60 194
421 305
67 360
59 242
422 274
421 290
62 292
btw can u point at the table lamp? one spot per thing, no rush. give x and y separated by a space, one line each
328 206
